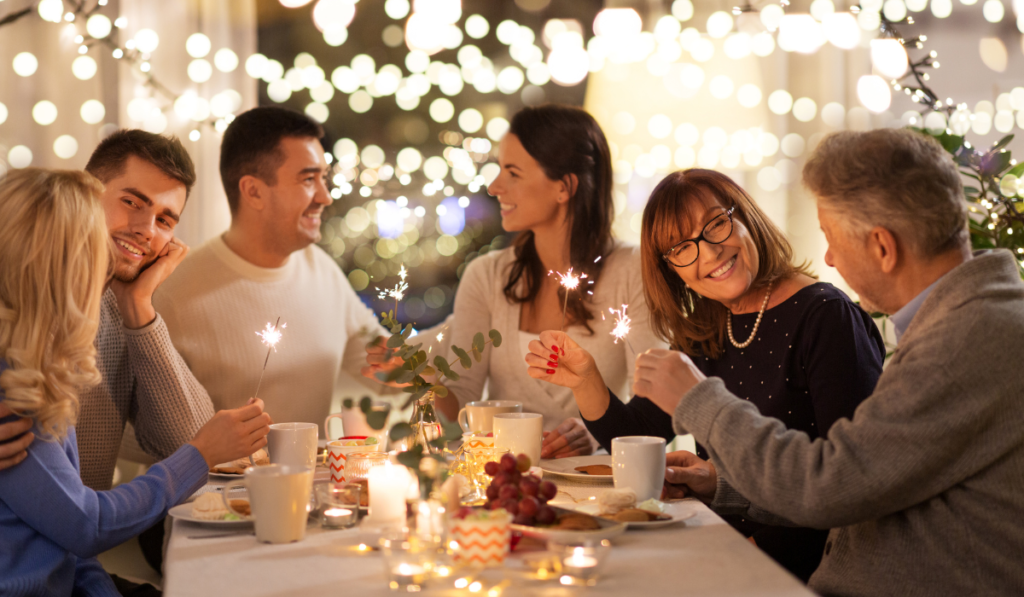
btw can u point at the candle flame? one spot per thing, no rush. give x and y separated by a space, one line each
622 322
271 335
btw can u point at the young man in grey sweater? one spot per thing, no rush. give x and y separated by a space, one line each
924 488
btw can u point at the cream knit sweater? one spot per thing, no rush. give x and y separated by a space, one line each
215 302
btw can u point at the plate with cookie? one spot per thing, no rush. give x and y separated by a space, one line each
580 468
572 525
236 468
620 505
208 510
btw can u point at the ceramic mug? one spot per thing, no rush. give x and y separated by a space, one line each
353 422
337 455
519 433
293 444
479 416
279 499
638 462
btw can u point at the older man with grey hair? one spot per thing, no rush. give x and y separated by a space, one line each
924 488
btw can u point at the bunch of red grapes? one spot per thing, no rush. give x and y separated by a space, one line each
524 496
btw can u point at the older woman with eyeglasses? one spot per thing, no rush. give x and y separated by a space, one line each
722 287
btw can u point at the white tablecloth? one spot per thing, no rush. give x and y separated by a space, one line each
703 556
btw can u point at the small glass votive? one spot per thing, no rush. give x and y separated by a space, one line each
408 563
581 563
337 504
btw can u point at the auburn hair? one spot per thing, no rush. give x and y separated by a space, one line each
680 316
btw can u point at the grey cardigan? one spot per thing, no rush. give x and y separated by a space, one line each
924 488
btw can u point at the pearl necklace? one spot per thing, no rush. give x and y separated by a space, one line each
728 323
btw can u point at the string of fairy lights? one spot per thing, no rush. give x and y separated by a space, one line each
425 220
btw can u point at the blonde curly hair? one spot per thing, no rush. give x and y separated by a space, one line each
53 268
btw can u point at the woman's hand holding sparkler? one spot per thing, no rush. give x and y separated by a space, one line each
233 433
572 367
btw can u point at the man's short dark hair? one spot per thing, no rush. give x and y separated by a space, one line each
108 160
252 145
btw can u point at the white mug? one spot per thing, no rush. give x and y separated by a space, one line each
279 499
479 416
353 422
293 444
522 433
638 462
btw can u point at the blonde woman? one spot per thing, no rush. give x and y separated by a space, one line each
53 270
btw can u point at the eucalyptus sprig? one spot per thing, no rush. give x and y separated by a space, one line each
416 364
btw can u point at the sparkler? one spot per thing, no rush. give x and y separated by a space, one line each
621 328
398 292
270 336
570 282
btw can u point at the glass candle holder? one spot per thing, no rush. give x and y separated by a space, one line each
408 563
357 470
581 562
337 504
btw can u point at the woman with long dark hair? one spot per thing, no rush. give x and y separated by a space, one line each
555 191
722 287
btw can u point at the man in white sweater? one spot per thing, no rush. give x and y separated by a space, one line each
266 266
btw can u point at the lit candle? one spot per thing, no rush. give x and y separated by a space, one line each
578 559
388 485
338 518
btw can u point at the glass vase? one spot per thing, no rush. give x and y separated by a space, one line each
425 424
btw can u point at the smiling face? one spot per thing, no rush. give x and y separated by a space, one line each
724 272
528 198
297 199
142 206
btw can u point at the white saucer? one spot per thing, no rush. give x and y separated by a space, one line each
184 512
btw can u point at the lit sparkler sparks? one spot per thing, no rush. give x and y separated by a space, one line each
270 336
570 282
398 292
622 322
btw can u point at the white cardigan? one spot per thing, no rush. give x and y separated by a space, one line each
480 305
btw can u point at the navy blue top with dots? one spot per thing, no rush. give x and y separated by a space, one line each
817 355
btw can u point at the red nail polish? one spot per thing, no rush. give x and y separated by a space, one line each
551 371
550 364
554 357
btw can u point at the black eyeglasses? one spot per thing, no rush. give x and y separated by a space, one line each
685 253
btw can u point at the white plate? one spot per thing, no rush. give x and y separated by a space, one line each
593 509
184 512
566 467
608 530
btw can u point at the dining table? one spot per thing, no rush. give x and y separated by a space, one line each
701 555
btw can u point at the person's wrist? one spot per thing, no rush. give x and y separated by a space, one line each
137 312
198 445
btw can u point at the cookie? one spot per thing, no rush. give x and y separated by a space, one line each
595 469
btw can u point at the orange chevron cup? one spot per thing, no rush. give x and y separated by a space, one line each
339 449
483 536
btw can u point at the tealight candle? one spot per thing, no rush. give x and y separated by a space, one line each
409 577
579 560
388 485
338 518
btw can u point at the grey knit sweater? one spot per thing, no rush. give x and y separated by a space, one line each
924 488
146 382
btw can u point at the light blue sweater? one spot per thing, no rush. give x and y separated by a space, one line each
52 526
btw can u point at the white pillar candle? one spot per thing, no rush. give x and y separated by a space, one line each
388 485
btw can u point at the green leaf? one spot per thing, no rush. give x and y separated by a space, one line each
400 431
478 341
407 331
463 357
994 163
411 457
377 419
347 403
495 337
439 390
428 370
396 340
1017 170
451 430
1001 143
365 404
406 377
476 355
